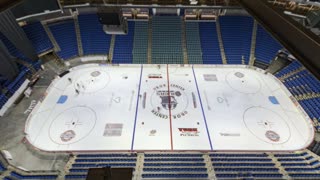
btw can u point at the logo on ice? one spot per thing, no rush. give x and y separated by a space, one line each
168 100
189 131
171 98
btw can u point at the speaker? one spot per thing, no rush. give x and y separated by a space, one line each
110 15
112 20
313 18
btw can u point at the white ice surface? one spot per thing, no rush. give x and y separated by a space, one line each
233 112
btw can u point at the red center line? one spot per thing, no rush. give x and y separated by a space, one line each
169 107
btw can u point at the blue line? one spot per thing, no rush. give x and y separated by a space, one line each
204 117
137 106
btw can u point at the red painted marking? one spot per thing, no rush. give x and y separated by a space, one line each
169 108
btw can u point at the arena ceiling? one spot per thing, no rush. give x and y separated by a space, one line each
150 2
294 6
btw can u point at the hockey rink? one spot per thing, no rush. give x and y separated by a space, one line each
97 107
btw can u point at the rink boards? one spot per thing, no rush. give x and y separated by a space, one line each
168 107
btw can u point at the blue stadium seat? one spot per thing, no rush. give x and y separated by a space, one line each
266 46
38 37
94 40
140 43
209 43
166 40
236 32
65 35
123 46
193 43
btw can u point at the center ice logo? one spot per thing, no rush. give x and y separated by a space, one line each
173 98
168 100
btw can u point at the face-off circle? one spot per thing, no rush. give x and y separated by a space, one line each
176 101
243 83
266 125
72 125
92 81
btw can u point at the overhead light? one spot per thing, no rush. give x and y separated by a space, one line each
193 2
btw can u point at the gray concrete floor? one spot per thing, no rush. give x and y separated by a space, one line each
12 133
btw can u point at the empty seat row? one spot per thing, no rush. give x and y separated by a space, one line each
91 165
173 159
105 155
173 155
243 164
175 169
38 177
269 175
291 155
300 169
237 155
253 169
241 159
305 175
76 176
183 176
106 160
160 164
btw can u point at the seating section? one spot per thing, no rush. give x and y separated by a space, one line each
252 165
9 87
194 165
209 43
193 43
123 46
295 65
83 162
184 166
315 147
236 34
38 37
166 40
300 166
15 52
266 46
302 82
38 177
312 107
94 40
140 43
65 35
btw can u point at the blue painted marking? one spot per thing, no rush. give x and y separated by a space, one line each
273 100
62 99
137 106
204 116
